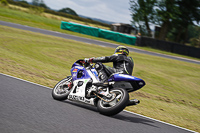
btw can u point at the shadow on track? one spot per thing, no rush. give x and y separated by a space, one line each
82 105
123 116
134 119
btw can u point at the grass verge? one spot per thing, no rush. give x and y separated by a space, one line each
47 21
172 90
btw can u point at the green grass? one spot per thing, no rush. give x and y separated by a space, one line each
24 16
171 94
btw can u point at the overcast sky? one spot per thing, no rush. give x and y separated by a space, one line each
110 10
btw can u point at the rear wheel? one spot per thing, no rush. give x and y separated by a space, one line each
62 89
121 99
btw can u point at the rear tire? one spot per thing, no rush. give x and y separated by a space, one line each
115 106
61 90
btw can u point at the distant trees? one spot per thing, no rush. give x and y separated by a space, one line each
194 35
20 1
142 14
39 3
4 2
68 11
38 10
173 16
24 1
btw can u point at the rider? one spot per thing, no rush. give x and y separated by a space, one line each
121 63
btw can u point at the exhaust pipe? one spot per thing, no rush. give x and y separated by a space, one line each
133 102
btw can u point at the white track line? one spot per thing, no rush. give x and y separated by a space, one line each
25 81
123 110
161 121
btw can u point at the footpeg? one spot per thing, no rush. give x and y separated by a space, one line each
133 102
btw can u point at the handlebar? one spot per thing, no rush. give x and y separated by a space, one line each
82 63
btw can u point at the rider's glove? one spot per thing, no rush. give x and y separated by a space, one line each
88 60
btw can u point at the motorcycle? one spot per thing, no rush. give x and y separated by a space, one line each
83 86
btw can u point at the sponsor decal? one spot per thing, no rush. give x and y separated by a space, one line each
85 81
75 70
79 98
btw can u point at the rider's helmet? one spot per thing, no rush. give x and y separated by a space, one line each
122 50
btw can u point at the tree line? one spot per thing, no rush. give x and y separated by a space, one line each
177 19
42 7
41 3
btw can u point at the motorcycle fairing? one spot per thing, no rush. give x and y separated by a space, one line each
130 83
81 76
77 92
79 72
123 77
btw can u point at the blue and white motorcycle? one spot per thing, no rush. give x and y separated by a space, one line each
83 86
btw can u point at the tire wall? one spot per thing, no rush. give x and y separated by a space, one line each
102 33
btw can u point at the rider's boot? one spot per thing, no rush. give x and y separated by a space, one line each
103 80
101 72
91 91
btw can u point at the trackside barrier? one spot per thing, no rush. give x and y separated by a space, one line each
102 33
168 46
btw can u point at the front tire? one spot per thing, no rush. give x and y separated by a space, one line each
61 90
115 106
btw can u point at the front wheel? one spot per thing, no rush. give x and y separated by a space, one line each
115 106
62 89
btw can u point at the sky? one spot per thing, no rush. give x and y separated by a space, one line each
109 10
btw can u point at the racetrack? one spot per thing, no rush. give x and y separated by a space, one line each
26 107
29 108
91 41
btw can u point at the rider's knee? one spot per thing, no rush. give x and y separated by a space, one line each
98 66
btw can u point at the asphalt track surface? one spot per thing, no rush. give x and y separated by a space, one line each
91 41
26 107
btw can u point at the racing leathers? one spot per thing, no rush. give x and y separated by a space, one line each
121 64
